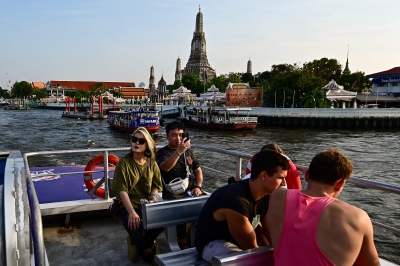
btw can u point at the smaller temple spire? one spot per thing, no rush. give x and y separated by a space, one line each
178 71
346 70
249 66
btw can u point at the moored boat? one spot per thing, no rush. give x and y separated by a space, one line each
129 120
225 118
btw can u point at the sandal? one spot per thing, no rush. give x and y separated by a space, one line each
132 251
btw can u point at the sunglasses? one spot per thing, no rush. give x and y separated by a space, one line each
176 125
140 140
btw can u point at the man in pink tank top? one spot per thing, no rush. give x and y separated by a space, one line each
312 227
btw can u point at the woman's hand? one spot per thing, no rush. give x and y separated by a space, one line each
133 220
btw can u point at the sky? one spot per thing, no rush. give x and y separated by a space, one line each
120 40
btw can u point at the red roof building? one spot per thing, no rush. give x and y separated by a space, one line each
87 85
386 82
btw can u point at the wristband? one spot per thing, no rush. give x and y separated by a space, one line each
199 187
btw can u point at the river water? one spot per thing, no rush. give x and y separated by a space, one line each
373 153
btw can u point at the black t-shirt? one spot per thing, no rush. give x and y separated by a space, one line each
236 197
179 170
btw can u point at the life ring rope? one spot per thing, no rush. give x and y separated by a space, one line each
90 166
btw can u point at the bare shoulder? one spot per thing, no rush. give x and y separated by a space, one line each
278 195
351 214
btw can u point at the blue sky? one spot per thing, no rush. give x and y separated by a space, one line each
120 40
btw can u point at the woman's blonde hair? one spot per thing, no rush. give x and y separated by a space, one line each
151 146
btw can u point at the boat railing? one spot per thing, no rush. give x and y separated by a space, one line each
239 156
244 119
37 233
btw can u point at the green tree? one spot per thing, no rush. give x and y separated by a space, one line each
21 89
99 89
324 68
192 82
39 93
118 95
4 93
174 86
356 81
221 82
315 99
234 77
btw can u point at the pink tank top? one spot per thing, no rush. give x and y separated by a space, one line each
298 244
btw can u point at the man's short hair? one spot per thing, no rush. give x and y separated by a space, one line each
173 125
268 161
330 166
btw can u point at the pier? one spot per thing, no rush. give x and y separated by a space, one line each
324 118
356 118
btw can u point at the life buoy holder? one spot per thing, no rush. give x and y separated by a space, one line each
90 166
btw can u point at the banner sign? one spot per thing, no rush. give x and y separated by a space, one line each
244 97
386 80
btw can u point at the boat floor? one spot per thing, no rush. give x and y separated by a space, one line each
93 238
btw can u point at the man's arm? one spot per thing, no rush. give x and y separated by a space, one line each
198 181
170 162
239 226
368 254
263 232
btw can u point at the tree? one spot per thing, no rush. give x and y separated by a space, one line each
99 89
221 82
325 68
192 82
234 77
4 93
78 94
39 93
316 99
356 81
174 86
21 89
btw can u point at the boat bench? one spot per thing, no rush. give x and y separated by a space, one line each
171 213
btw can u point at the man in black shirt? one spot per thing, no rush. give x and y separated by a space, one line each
177 160
224 224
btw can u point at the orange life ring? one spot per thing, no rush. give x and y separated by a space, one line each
90 166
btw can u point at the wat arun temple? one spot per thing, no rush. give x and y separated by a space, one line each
198 62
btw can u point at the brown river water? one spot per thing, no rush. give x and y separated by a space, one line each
373 153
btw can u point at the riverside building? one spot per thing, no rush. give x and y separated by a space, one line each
386 82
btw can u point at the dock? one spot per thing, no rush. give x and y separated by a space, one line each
323 118
337 118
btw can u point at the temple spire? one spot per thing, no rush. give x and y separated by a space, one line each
346 70
249 66
199 21
198 62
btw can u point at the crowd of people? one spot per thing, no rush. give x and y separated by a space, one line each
266 207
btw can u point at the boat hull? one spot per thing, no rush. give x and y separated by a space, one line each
220 126
132 129
236 126
193 123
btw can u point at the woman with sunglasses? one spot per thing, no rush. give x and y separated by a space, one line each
137 177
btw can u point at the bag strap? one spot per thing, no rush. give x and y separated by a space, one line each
186 166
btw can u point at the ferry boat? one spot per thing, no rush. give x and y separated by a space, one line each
16 107
129 120
35 194
225 118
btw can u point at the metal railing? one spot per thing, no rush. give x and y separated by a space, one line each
36 226
354 180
